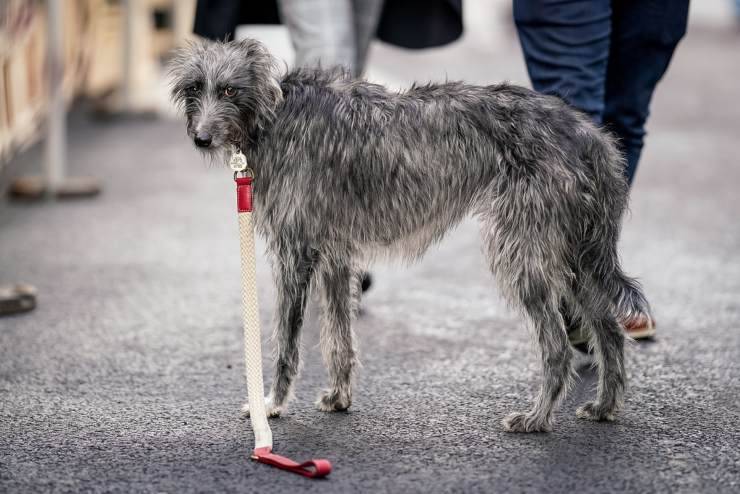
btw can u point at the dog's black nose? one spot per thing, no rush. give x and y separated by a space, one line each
202 139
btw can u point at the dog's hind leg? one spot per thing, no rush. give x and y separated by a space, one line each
293 270
539 300
607 340
604 295
526 256
339 285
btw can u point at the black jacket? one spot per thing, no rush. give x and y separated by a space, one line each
406 23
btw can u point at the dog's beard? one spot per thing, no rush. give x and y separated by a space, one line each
216 155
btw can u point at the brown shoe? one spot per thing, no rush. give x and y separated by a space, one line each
640 327
16 298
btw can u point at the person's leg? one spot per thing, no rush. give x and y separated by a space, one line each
366 17
644 35
322 31
566 48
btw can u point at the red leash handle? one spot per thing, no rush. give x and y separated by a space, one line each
314 469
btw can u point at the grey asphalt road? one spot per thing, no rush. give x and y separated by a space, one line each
128 377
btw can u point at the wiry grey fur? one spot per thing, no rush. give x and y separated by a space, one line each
346 170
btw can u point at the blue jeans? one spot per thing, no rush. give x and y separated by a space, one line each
604 57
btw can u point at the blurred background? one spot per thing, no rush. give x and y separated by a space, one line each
112 55
124 241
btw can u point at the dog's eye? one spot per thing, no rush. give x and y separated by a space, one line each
229 91
193 89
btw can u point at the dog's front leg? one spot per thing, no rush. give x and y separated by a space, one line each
293 270
340 296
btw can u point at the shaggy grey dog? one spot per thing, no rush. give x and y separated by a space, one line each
347 170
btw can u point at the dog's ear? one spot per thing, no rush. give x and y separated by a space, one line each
262 69
251 49
259 59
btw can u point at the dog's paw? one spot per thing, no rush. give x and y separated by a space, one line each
272 409
524 422
333 401
592 411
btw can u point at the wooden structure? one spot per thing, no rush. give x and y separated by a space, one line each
111 54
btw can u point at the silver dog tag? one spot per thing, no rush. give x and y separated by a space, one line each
238 162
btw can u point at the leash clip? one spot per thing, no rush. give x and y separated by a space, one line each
237 161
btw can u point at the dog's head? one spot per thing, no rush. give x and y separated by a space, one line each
227 90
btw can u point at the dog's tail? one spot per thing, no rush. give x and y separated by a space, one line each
630 302
624 292
600 244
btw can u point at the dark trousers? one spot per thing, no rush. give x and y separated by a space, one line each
604 57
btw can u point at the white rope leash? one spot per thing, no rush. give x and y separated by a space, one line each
252 332
252 341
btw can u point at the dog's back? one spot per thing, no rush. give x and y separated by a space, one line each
381 166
